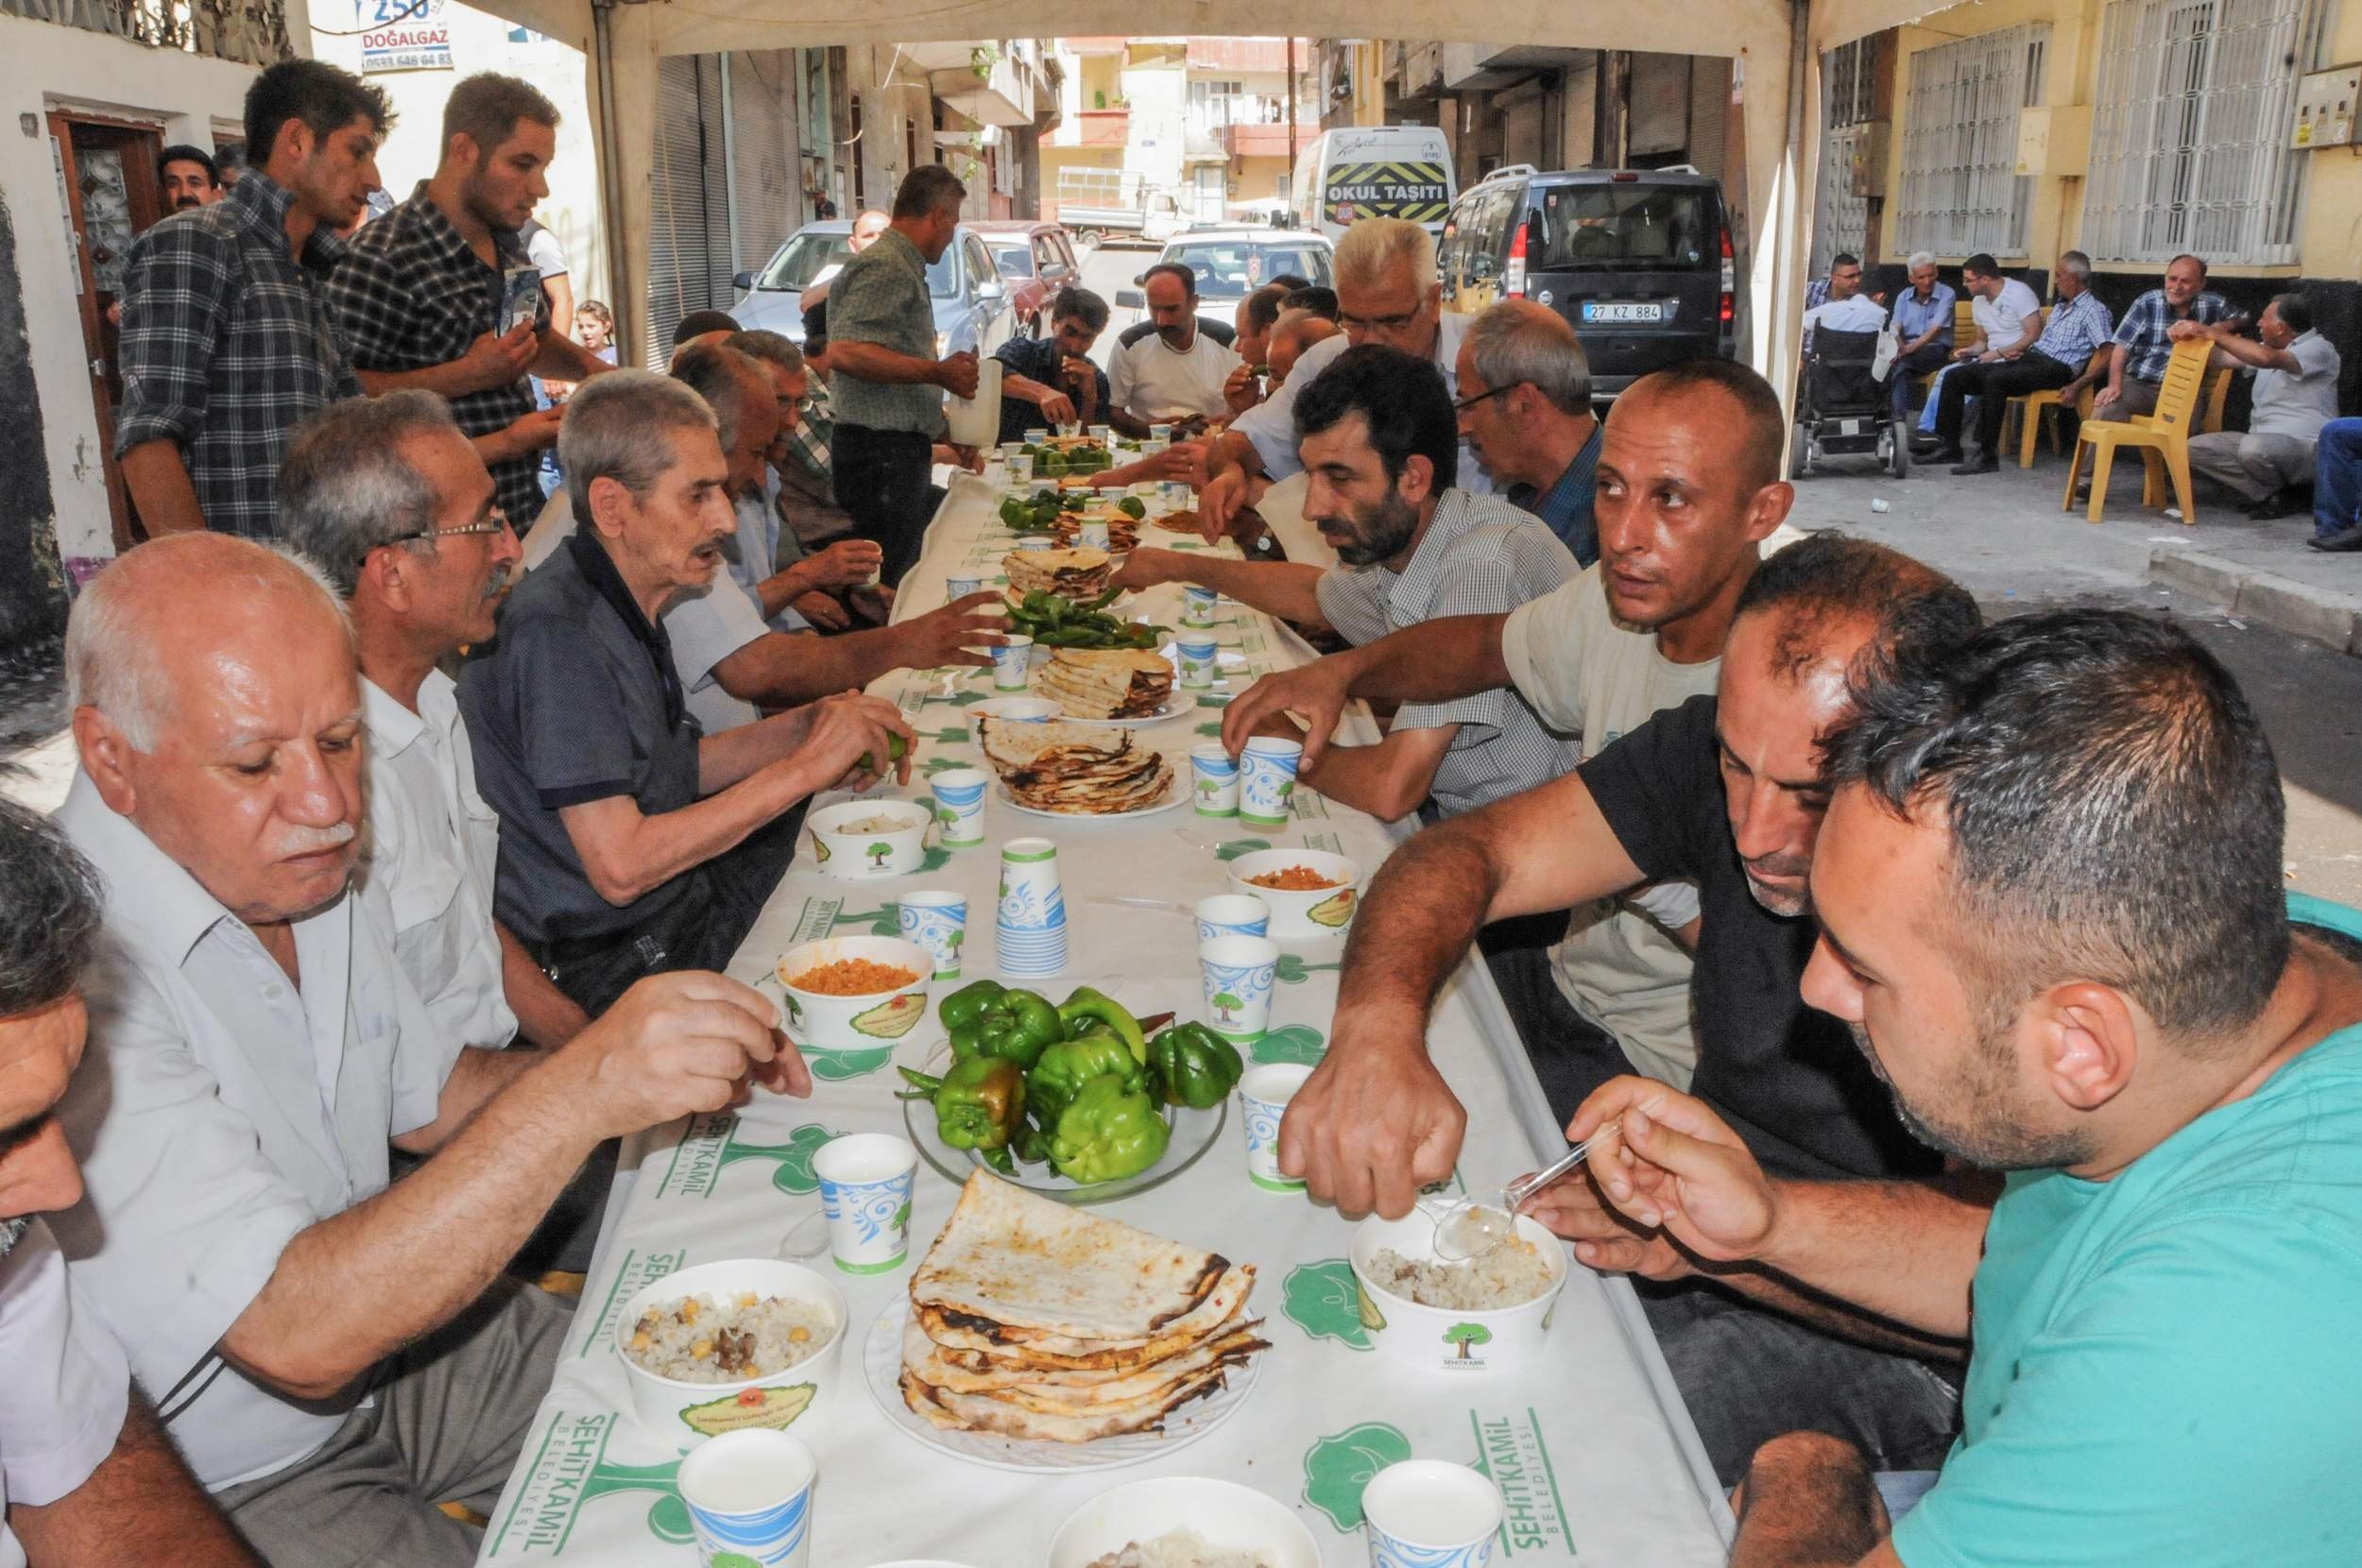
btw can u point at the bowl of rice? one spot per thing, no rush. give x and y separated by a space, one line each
1184 1522
1485 1314
854 993
722 1347
1311 893
858 838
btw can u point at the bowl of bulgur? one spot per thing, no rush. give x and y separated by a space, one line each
721 1347
1312 893
854 993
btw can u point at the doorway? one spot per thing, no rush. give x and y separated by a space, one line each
106 178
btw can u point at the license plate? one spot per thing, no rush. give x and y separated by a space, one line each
1615 313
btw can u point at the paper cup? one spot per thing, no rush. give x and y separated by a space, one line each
1036 541
1267 780
1160 433
1197 605
960 811
1215 778
1428 1513
1236 974
866 1181
1030 922
1011 449
1100 433
1036 435
845 846
1091 533
1263 1096
1010 662
956 588
1016 710
1196 652
1021 467
749 1499
1177 496
1231 914
938 921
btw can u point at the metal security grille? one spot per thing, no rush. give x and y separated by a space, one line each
2190 129
1961 192
1840 219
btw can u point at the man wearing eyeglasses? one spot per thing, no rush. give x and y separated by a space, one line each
1387 292
1526 410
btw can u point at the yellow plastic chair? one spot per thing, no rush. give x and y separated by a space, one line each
2037 411
2218 393
2163 439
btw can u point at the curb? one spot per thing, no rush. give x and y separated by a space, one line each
2319 615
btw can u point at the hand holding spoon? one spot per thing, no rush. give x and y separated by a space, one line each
1482 1221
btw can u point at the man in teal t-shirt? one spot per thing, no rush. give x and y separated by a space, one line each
2049 891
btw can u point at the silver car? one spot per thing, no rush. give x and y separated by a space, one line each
970 302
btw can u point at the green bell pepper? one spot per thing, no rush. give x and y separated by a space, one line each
1086 1008
1133 508
1190 1064
1065 1067
980 1103
1110 1132
1014 1025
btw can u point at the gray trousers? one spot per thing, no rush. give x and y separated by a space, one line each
445 1427
2256 467
2134 397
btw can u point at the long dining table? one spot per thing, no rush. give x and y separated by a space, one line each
1595 1455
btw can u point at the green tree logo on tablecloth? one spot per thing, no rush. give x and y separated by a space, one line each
1336 1469
795 1155
1322 1298
934 859
1236 848
1466 1335
1213 699
951 736
569 1471
934 765
882 922
1213 731
1294 971
835 1066
1298 1044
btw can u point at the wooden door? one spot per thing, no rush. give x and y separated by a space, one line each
107 175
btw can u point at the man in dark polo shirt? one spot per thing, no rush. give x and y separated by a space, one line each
1724 790
1050 380
630 841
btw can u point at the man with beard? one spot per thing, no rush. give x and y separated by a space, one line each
1525 411
1383 459
2052 914
1175 374
227 342
189 177
86 1473
1725 792
421 293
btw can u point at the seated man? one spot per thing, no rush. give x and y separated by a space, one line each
1258 313
795 589
1296 333
2052 912
1525 411
1175 374
2143 341
388 497
1922 330
1841 288
86 1473
632 841
1050 380
1609 991
1382 454
2337 487
2060 359
1318 298
2296 394
1724 790
336 1354
2005 311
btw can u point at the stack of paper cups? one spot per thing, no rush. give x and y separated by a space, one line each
1030 922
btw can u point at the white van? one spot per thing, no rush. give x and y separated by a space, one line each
1375 171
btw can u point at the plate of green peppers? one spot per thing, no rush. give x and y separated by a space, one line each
1078 1100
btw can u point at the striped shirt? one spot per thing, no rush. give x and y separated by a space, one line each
1479 555
2143 330
881 298
227 345
411 294
2076 329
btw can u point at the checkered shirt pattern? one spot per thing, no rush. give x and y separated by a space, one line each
2145 324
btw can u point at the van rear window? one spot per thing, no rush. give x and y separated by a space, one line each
1627 229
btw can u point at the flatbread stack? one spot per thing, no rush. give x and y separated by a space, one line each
1178 523
1106 683
1077 574
1123 530
1074 770
1070 445
1032 1319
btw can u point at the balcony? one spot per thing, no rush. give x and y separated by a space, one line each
1481 67
1266 141
254 34
984 84
1241 56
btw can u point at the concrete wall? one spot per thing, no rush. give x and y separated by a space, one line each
893 101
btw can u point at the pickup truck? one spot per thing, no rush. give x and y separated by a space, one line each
1153 223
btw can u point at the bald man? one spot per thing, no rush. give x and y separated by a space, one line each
256 1051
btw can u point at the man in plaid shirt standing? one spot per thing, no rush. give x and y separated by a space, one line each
418 294
226 341
2137 366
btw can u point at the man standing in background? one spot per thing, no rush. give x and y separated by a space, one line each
189 176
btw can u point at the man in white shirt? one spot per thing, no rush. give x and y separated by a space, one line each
1175 374
86 1474
2296 393
334 1352
1689 488
2008 319
1387 292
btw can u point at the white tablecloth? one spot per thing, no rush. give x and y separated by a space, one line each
1597 1458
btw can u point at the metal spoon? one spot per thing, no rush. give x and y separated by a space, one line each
807 1237
1482 1221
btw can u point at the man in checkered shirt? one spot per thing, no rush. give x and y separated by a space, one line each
227 344
2136 368
418 294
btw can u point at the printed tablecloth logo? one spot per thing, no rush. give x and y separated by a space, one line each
1294 971
1294 1044
1336 1469
1512 1450
638 1269
712 1145
569 1473
1325 1301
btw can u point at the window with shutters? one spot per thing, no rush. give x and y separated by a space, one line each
2190 129
1840 219
1960 189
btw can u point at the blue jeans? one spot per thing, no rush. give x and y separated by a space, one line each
2338 478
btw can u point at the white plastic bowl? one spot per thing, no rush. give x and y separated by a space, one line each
1223 1513
1321 911
1463 1344
674 1410
854 1023
844 853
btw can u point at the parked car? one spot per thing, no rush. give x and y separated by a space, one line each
971 303
1638 261
1232 261
1036 260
